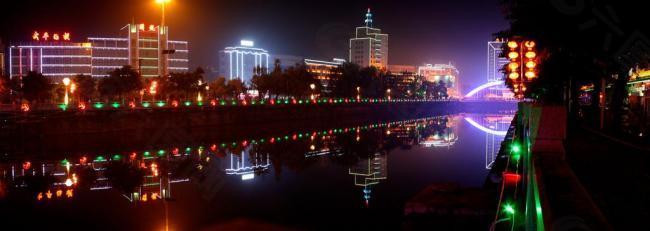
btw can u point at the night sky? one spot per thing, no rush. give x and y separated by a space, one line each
420 31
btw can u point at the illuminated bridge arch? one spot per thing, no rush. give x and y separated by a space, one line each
482 87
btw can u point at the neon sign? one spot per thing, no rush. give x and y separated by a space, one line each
45 36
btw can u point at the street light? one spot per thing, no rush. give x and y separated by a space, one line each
312 87
358 93
163 35
66 83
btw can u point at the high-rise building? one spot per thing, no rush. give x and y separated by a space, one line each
369 47
495 63
243 61
140 48
445 73
56 56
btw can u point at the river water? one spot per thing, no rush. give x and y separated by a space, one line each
363 177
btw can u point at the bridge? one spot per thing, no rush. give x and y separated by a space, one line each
492 90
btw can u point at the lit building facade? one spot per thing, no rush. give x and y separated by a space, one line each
243 61
495 63
324 71
286 61
56 60
400 83
369 47
140 48
402 68
445 73
57 57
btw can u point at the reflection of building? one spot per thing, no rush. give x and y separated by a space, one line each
495 63
243 61
495 128
324 71
370 172
442 73
369 47
247 165
444 132
55 55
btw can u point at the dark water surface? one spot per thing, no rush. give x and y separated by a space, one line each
353 177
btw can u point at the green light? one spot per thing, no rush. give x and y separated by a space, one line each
262 140
509 209
160 104
286 102
161 152
253 102
98 105
115 105
117 157
147 153
516 157
234 103
146 104
222 103
223 145
515 148
65 162
63 106
188 149
100 159
300 101
200 103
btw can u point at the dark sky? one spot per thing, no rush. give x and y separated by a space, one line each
423 31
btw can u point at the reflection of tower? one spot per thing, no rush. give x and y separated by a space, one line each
370 172
495 128
257 163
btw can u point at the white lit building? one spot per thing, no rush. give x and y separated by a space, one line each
369 47
243 61
445 73
495 63
53 59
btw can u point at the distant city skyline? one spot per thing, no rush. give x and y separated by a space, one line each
300 28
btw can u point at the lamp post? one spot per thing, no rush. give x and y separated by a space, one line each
163 35
312 87
66 83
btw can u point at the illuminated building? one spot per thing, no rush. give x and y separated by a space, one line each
56 56
369 47
401 82
139 48
445 73
243 61
639 95
402 68
55 59
495 63
324 71
444 134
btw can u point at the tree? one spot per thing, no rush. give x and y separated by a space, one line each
235 87
120 82
86 87
218 88
572 55
35 87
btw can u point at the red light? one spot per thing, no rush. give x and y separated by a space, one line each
272 102
244 143
213 102
213 148
24 107
294 101
294 137
511 178
27 165
244 102
272 140
83 160
175 103
175 151
132 104
133 155
82 106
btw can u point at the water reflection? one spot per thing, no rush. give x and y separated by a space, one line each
361 153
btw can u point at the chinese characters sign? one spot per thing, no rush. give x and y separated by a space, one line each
46 36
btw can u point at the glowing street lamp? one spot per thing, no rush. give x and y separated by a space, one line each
66 83
522 64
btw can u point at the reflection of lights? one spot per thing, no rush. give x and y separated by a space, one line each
248 176
484 129
68 182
